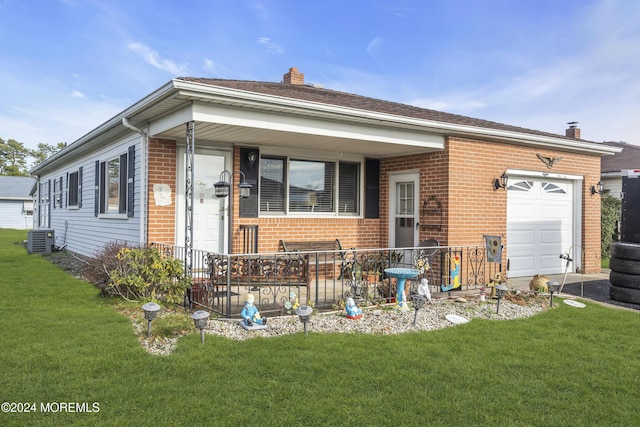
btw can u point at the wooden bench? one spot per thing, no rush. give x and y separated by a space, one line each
330 246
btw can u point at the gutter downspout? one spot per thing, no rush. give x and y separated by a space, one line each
145 179
35 222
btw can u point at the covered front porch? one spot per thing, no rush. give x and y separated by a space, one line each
306 163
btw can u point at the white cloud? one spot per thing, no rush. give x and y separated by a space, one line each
261 11
595 82
65 120
270 46
153 57
77 94
373 47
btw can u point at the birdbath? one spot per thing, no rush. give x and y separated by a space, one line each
401 274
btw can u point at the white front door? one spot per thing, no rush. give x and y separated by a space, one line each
539 225
210 220
404 209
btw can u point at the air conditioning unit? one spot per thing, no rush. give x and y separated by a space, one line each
40 241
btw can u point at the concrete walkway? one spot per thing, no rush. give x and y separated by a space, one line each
522 283
593 287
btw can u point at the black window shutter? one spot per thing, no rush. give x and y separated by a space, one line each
49 202
80 187
372 170
102 188
122 197
249 161
131 173
96 207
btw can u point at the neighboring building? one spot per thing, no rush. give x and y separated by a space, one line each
611 167
322 164
16 203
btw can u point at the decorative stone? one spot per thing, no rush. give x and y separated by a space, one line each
375 321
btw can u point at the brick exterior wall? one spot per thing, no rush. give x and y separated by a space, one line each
477 209
460 177
162 170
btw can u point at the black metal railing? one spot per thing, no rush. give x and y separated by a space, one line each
324 279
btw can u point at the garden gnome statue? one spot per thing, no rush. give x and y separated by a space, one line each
250 313
497 280
353 311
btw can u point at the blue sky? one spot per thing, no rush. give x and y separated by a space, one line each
70 65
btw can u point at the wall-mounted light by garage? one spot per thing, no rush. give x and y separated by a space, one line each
597 189
500 182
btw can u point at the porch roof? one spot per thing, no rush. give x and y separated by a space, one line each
286 115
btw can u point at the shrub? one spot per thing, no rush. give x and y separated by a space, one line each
142 273
103 262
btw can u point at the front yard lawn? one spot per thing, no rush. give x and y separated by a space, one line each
62 343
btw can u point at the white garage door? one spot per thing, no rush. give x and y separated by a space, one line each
539 225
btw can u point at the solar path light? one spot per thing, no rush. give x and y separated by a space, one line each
304 312
418 303
501 290
201 319
553 287
150 312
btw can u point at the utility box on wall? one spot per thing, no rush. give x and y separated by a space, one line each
40 241
630 212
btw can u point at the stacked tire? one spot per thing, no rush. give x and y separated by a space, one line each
625 272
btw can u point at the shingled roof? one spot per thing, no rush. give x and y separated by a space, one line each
16 187
628 158
331 97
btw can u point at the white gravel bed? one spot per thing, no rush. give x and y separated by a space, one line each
375 320
379 320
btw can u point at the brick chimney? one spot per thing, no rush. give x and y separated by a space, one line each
293 77
573 131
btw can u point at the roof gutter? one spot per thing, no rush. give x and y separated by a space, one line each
126 124
257 100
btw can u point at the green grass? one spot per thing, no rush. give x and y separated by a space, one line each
60 342
604 263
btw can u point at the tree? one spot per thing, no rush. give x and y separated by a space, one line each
44 151
13 158
609 216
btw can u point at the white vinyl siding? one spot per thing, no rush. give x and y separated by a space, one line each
86 232
14 215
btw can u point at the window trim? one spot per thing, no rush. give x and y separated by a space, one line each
74 188
125 182
287 158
